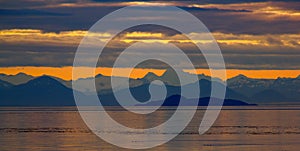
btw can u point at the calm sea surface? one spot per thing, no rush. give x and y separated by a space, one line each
236 129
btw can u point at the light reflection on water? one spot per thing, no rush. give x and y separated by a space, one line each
237 128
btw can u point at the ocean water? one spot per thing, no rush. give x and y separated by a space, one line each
236 129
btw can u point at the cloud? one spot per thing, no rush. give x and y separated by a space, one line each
36 47
261 10
229 41
39 37
28 12
258 17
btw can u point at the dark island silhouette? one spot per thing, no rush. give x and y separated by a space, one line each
175 99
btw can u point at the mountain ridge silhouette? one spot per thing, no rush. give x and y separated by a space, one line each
250 90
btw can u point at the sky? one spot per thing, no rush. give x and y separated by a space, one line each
258 38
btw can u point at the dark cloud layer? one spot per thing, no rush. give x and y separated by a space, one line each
82 18
49 16
28 12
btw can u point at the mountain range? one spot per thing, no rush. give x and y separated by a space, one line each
280 90
26 90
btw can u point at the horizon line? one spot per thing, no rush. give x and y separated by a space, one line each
65 72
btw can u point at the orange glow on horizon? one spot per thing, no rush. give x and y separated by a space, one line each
66 72
259 74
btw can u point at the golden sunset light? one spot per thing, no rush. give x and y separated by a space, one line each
73 38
